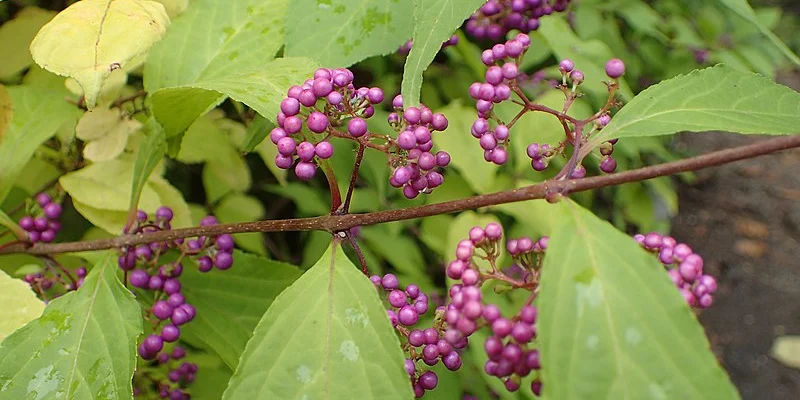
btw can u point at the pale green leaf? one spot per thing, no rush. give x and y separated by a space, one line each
325 337
249 288
110 221
612 324
92 38
16 36
786 350
29 129
434 22
716 98
202 141
174 7
107 186
257 131
20 305
466 155
171 197
6 111
742 7
106 133
151 152
82 347
342 32
590 57
210 40
227 173
238 207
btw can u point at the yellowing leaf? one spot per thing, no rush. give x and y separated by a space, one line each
106 132
110 90
6 111
174 7
20 305
92 38
16 36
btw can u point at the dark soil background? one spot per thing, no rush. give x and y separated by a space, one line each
744 219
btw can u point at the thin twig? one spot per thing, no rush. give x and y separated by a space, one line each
353 178
335 223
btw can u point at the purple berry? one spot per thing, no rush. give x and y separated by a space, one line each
408 316
357 127
566 66
43 199
224 260
317 122
170 333
52 210
290 106
615 68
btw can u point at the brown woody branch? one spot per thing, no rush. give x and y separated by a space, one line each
335 223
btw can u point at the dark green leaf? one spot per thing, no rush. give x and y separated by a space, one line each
230 303
150 154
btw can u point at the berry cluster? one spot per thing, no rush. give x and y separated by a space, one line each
45 226
53 278
502 60
496 18
329 105
414 164
170 310
503 77
180 374
511 348
685 268
406 47
427 345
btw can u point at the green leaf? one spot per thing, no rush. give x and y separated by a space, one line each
716 98
342 32
466 155
105 132
20 305
227 173
29 129
82 347
589 56
107 186
612 322
230 303
264 88
742 7
12 226
402 252
212 40
6 111
16 36
257 131
238 207
151 152
101 193
325 337
92 38
434 23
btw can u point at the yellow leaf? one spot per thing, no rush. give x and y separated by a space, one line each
106 132
174 7
6 111
20 305
110 90
92 38
16 36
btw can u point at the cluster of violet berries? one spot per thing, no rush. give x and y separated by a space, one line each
414 164
406 47
180 375
329 102
684 267
170 310
501 80
54 279
502 60
511 347
320 104
426 346
44 227
496 18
